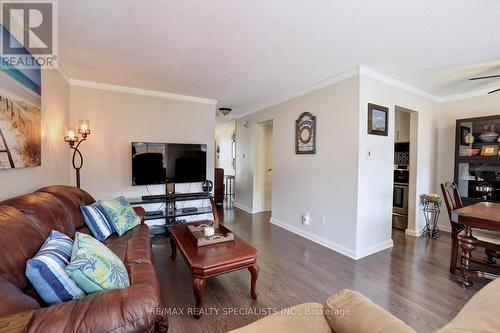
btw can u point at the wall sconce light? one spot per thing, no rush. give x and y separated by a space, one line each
71 137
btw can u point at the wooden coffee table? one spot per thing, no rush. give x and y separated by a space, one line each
212 260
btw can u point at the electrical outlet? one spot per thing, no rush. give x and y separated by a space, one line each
321 220
306 219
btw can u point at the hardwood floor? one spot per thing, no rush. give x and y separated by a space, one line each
411 280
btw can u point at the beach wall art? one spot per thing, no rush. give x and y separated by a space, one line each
20 115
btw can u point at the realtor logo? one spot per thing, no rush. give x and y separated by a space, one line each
29 33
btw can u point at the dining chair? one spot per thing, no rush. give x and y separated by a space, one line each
489 240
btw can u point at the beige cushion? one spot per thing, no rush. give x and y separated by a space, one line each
487 236
480 314
301 318
349 311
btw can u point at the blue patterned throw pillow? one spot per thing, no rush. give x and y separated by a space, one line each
94 267
122 215
96 219
46 270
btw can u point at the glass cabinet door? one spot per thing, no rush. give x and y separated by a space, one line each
479 181
477 159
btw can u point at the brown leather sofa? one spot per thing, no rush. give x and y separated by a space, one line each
25 223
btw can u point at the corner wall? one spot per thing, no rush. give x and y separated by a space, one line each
375 182
119 118
324 184
55 161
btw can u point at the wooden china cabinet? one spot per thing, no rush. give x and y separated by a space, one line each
477 159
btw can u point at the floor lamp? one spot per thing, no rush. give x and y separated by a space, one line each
72 137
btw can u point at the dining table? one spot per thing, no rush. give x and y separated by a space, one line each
481 215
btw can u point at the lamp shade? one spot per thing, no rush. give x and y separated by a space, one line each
71 135
84 127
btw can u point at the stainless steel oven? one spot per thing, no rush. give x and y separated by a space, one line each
400 206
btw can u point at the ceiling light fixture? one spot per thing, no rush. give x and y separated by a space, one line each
225 111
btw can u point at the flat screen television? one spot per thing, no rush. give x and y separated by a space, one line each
161 163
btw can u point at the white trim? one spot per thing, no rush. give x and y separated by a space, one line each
374 249
63 74
244 208
365 71
315 86
413 233
138 91
317 239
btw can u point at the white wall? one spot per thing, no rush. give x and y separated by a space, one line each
55 161
117 119
324 184
223 134
375 182
449 112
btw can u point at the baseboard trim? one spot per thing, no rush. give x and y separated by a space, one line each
244 208
317 239
374 249
413 233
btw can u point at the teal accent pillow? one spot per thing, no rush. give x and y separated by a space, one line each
121 214
94 267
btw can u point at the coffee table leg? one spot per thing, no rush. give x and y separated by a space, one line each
254 272
199 295
174 248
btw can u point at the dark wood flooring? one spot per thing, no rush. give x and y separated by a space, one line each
411 280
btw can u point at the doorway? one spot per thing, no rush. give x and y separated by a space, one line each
263 167
405 130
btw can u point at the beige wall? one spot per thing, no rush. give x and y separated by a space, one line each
323 184
449 112
55 161
375 180
223 134
117 119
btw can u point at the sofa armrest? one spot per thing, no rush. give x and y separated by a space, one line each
130 309
140 211
349 311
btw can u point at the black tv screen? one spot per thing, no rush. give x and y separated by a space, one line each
159 163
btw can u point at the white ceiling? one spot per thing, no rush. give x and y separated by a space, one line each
248 53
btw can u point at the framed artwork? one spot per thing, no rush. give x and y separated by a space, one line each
20 114
489 150
378 120
305 134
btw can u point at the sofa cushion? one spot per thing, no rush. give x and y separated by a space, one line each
480 314
307 317
97 221
349 311
71 198
121 213
94 267
133 247
46 270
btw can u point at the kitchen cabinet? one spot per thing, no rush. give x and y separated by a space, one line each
402 126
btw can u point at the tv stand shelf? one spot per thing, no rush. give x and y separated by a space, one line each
178 212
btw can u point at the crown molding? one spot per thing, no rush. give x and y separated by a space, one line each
316 86
64 74
365 71
138 91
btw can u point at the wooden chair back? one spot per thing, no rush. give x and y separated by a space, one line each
451 197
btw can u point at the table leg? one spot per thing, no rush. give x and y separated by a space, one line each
468 243
174 248
199 295
254 272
